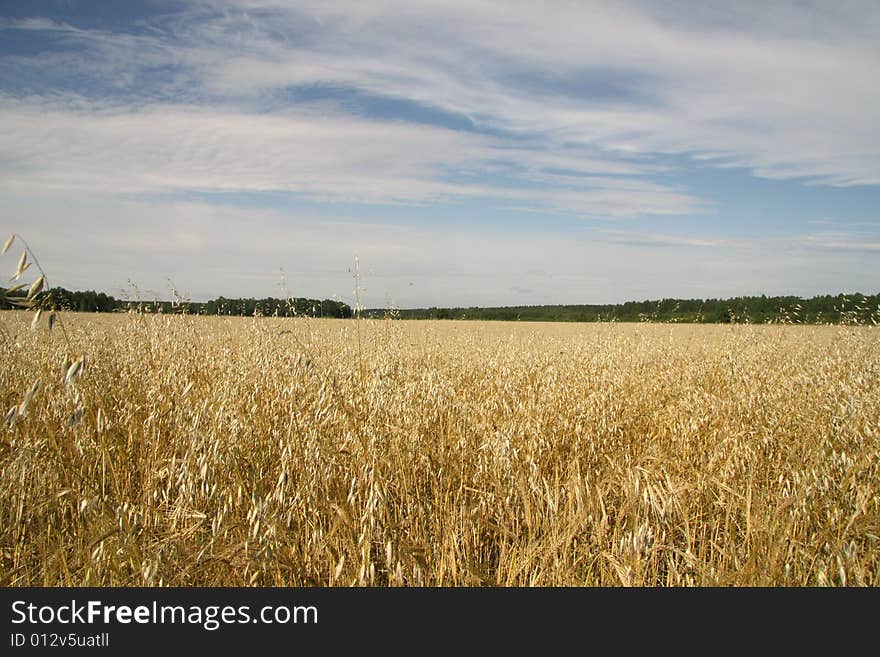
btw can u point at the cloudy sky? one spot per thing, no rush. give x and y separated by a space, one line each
466 152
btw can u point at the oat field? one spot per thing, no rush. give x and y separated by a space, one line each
260 451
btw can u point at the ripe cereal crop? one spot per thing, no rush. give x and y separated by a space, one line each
187 450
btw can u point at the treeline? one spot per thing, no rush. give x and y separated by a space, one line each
852 308
275 307
91 301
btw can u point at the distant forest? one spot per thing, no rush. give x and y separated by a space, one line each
852 308
91 301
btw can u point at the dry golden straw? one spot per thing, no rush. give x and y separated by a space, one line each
257 451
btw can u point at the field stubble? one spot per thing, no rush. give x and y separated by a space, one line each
231 451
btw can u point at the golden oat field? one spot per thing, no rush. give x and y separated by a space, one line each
190 450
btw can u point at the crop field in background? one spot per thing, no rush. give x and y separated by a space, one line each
259 451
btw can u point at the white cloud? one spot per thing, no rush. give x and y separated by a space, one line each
34 23
637 238
789 95
837 241
207 250
91 148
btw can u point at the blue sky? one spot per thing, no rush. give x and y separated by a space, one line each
468 153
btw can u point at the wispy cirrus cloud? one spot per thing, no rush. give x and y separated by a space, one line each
785 96
85 147
837 241
648 239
